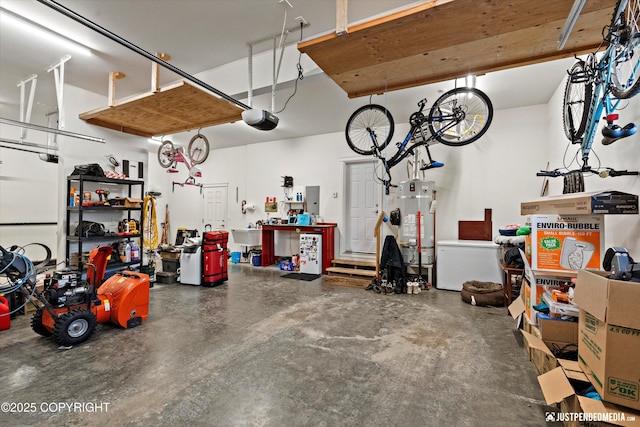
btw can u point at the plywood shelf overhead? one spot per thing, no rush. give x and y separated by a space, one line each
176 108
445 39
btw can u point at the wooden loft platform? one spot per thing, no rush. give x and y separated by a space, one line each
441 40
176 108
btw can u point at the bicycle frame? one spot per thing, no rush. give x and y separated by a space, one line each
602 100
404 149
599 75
458 117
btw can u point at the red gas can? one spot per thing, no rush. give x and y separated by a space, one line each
5 319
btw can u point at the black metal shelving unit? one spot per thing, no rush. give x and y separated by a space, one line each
76 214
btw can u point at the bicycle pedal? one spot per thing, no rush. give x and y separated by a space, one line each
431 165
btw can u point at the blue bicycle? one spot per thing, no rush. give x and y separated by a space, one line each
595 88
459 117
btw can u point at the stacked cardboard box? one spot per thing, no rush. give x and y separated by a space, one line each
609 336
563 386
608 330
567 235
544 340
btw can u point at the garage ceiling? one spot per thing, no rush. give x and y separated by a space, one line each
202 35
442 40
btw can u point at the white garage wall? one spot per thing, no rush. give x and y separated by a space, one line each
492 173
497 172
32 190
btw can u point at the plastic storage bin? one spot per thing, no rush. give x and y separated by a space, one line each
559 308
256 260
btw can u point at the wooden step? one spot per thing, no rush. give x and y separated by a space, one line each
350 282
353 272
354 262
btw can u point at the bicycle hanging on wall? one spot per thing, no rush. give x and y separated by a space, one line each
459 117
595 88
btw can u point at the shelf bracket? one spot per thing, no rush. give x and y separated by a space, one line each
25 116
58 75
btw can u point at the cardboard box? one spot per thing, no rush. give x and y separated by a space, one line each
558 332
541 342
540 354
131 202
560 386
561 243
170 254
609 336
599 202
533 287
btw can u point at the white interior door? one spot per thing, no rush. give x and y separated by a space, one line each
215 206
362 209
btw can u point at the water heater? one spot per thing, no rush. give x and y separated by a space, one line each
415 202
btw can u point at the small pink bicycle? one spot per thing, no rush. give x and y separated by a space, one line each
169 155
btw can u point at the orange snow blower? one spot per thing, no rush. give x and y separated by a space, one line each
71 307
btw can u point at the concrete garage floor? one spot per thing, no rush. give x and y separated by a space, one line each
261 350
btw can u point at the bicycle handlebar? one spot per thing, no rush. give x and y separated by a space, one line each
553 173
606 172
612 172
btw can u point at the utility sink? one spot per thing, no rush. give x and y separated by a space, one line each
247 236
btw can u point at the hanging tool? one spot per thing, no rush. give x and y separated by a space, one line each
165 227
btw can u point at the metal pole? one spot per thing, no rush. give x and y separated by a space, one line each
570 22
51 130
273 82
82 20
250 77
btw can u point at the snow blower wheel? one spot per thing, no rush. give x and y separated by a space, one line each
37 326
74 327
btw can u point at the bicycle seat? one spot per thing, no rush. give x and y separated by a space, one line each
433 164
615 132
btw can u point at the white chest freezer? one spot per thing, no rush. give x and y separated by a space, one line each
458 261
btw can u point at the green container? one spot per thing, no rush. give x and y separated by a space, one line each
151 271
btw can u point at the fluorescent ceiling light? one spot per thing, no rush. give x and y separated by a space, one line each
155 141
42 33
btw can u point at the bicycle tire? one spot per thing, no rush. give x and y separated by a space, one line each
166 154
576 104
369 118
573 183
477 114
198 149
625 71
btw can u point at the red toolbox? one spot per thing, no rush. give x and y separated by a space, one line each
214 253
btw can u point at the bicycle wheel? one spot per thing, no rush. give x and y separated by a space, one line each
460 116
576 104
573 183
166 154
625 71
369 129
198 149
